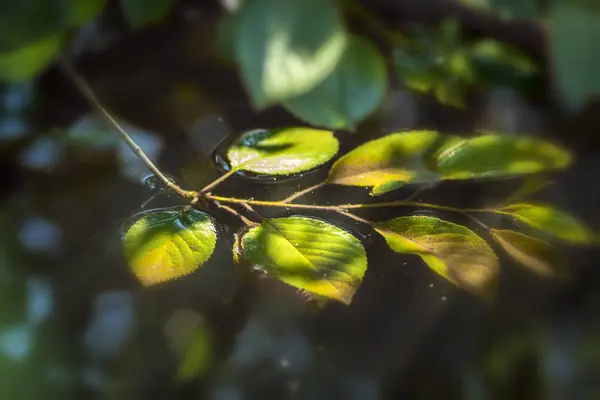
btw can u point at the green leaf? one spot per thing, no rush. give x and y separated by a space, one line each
574 35
551 221
308 254
385 161
28 61
453 251
508 9
165 245
146 12
386 187
81 12
350 93
282 151
286 47
197 356
494 156
536 255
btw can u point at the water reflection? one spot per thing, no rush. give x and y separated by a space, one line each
16 342
44 154
40 235
39 300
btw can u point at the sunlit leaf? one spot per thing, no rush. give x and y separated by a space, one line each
574 29
534 254
350 93
386 187
287 47
28 61
386 161
493 156
308 254
453 251
196 358
144 12
283 151
165 245
550 221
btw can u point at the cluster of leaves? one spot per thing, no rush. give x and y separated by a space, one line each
574 27
327 261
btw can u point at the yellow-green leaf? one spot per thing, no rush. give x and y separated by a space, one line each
551 221
534 254
165 245
494 156
308 254
28 61
392 158
386 187
283 151
286 47
197 356
453 251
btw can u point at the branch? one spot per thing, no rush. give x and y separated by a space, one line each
88 93
303 192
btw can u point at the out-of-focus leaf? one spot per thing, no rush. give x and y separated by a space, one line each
493 156
287 47
197 356
352 91
454 251
534 254
145 12
28 61
574 36
165 245
530 186
551 221
509 9
282 151
386 161
81 12
308 254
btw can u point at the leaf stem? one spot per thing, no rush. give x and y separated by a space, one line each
237 214
88 93
217 181
303 192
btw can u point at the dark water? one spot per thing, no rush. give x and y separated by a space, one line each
76 324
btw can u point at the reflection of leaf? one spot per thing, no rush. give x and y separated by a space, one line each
144 12
537 255
308 254
574 35
283 151
492 156
453 251
165 245
28 61
286 47
551 221
392 158
349 94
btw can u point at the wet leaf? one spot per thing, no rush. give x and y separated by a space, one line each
308 254
534 254
350 93
574 29
286 47
385 161
453 251
28 61
551 221
145 12
495 156
165 245
283 151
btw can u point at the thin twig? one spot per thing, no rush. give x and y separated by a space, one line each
355 217
217 181
303 192
237 214
88 93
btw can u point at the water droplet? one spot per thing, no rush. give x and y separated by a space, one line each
153 183
444 298
431 285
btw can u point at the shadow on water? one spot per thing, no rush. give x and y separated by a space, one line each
75 321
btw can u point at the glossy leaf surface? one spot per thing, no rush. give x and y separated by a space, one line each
308 254
282 152
495 156
165 245
453 251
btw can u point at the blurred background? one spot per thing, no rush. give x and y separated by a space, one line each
74 322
